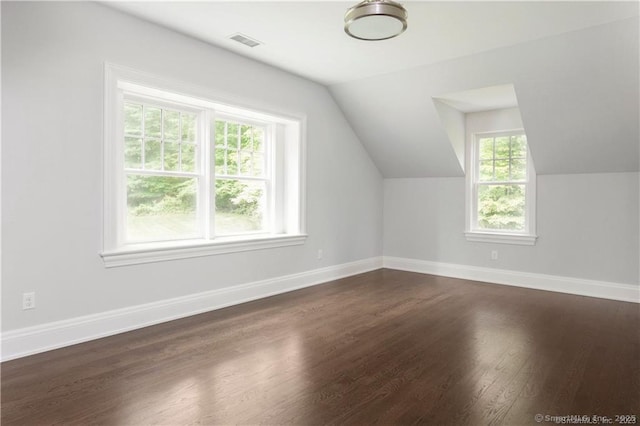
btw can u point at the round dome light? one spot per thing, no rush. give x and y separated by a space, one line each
375 20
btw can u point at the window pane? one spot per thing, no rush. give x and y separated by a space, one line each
188 157
152 155
232 162
501 207
518 169
486 170
132 119
246 133
220 134
519 146
502 170
258 164
240 206
502 147
188 127
220 163
161 208
245 163
152 123
258 139
171 153
171 128
232 135
486 148
133 153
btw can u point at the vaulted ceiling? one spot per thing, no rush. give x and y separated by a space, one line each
574 67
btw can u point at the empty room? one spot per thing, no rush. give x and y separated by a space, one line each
320 212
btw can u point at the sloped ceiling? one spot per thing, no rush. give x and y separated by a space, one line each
574 66
577 92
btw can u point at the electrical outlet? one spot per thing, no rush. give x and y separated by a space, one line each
494 254
320 254
28 300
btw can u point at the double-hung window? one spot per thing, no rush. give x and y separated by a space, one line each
187 176
502 189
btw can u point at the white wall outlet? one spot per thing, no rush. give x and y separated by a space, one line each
28 300
494 254
320 254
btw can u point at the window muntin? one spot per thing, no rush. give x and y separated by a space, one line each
501 183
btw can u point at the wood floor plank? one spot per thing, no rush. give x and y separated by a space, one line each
385 347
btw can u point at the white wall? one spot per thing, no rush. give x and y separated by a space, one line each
52 96
587 226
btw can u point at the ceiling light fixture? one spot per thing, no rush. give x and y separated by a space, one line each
375 20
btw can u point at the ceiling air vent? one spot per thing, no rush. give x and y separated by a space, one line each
247 41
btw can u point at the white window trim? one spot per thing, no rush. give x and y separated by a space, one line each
115 253
472 232
185 249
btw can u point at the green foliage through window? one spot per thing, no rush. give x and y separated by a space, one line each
239 153
501 189
501 207
239 206
160 155
161 207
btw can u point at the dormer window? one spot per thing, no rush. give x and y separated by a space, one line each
501 189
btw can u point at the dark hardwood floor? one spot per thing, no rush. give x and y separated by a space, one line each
385 347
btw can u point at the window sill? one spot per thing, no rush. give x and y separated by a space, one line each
501 238
160 252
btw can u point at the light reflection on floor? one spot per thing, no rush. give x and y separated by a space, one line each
496 368
221 391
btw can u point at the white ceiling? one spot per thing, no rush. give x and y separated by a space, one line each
574 67
307 37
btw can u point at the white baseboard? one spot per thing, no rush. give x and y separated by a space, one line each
578 286
41 338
